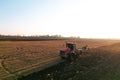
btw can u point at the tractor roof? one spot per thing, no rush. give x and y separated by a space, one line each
70 42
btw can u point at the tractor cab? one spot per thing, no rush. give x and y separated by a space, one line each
70 49
71 45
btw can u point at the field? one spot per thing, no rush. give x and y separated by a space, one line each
20 58
101 63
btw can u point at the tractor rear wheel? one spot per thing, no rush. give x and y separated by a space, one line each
69 57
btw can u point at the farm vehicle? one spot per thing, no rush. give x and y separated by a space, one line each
71 52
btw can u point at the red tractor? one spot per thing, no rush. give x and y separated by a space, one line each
70 52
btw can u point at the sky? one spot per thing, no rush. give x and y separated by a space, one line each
83 18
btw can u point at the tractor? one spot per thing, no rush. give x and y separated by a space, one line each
70 52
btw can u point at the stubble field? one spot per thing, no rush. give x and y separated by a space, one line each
25 57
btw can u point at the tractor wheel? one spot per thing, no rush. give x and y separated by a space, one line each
74 56
62 57
69 57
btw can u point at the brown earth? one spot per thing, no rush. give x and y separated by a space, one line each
24 57
100 63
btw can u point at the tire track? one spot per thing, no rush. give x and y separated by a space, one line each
46 63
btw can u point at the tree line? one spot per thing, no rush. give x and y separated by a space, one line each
30 38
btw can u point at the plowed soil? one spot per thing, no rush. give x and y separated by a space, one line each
97 64
22 58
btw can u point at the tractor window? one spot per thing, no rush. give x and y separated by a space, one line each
70 46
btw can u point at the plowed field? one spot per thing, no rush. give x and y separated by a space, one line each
20 58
